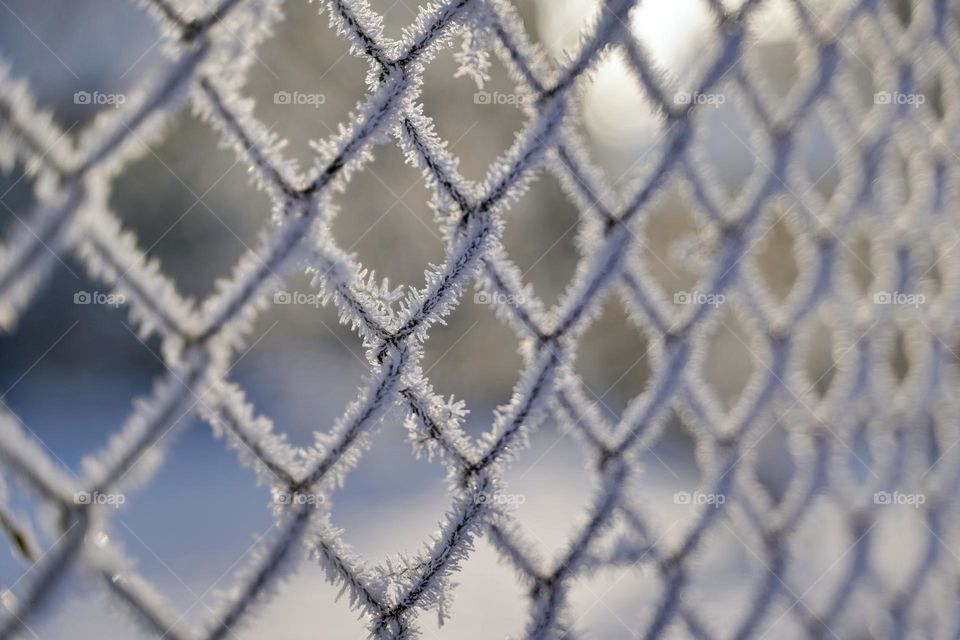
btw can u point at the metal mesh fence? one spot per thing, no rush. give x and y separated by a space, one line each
878 437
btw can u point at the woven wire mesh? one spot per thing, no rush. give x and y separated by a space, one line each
876 437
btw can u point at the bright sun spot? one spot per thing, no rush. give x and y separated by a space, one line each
674 33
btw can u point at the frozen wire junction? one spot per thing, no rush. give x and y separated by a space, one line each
878 437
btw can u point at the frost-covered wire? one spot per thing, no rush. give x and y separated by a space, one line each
71 214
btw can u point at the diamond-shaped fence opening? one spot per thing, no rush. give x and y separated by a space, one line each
777 221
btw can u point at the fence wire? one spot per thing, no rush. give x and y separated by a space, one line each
897 190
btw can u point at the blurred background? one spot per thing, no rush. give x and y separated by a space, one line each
70 370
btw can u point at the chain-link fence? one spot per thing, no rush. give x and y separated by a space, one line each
872 242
